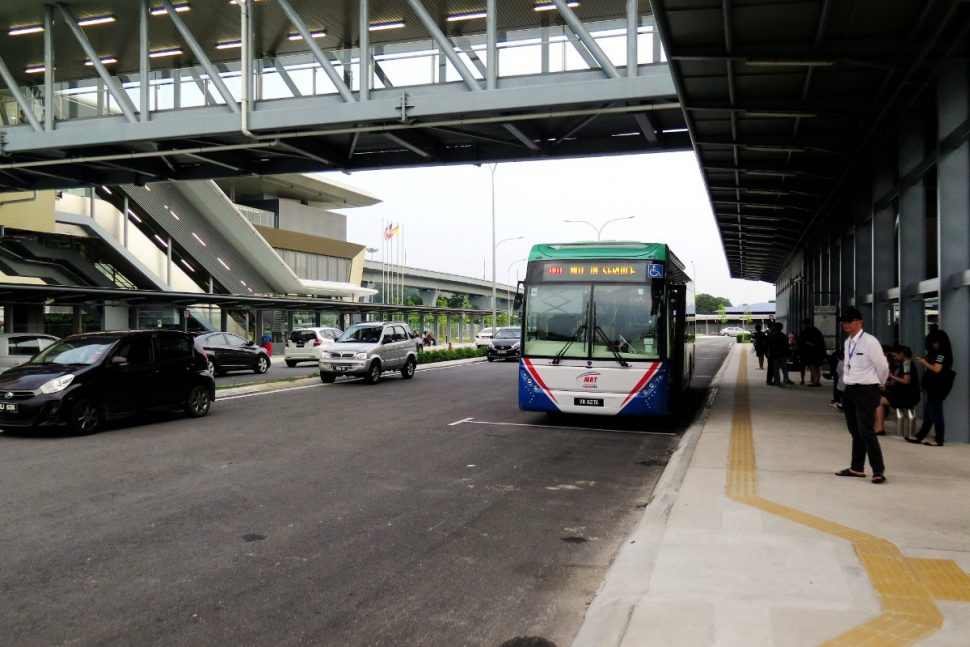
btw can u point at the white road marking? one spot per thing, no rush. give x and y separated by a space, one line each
472 421
249 395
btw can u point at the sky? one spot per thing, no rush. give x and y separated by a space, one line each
444 214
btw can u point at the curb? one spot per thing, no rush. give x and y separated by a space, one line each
303 382
627 578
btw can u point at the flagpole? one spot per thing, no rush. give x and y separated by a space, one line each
383 264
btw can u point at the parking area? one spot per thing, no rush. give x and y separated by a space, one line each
412 512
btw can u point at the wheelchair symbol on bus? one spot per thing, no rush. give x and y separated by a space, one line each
655 271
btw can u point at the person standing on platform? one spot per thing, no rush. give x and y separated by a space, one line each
938 381
866 369
760 340
812 344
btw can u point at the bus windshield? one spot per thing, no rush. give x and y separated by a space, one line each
599 321
624 322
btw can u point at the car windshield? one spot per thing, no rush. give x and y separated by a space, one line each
508 333
79 350
362 333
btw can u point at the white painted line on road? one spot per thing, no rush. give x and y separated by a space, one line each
472 421
249 395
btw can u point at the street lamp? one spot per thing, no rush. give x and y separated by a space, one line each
599 230
494 285
508 281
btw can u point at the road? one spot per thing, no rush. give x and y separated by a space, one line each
342 514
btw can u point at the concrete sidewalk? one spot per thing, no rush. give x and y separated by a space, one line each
751 539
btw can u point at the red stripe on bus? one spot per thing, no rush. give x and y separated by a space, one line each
646 377
535 376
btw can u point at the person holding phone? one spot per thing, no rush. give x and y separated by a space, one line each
937 381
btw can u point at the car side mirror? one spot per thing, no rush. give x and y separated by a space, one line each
517 302
119 361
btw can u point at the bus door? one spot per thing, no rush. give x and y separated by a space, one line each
677 300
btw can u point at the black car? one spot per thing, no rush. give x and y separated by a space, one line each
225 352
504 344
84 380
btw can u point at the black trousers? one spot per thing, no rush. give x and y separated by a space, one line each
860 402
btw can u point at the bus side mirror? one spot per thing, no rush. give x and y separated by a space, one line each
517 303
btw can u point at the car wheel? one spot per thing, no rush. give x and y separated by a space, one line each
327 378
374 373
262 364
86 417
489 358
210 365
290 363
408 371
198 402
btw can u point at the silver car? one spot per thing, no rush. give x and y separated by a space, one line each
370 348
17 348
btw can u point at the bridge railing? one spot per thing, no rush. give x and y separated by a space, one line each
524 52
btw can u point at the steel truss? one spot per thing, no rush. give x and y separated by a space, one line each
277 115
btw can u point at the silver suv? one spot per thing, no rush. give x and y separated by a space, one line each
369 348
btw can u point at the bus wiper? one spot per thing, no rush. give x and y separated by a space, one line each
562 351
609 345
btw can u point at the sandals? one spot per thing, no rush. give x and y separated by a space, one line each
849 472
932 444
878 478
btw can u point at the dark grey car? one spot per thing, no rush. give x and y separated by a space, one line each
370 348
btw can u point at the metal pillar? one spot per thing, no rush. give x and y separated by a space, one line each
912 238
847 270
863 263
144 110
883 255
954 236
223 319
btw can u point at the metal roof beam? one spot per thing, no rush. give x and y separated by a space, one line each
14 89
518 132
318 54
446 48
587 39
200 56
312 149
413 146
647 127
121 97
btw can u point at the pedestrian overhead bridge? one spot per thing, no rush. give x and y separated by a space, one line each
133 92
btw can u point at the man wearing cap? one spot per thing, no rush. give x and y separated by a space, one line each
866 369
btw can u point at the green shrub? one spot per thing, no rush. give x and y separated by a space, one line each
443 355
744 338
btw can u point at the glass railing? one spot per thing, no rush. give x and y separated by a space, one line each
547 50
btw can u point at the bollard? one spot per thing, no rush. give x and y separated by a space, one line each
449 345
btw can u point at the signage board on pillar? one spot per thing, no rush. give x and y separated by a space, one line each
826 321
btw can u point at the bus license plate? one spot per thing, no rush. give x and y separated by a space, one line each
588 402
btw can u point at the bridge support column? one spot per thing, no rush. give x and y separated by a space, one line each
428 297
953 169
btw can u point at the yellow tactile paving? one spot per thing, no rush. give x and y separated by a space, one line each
907 587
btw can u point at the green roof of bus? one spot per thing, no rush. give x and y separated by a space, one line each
599 249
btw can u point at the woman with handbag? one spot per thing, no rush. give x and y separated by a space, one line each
937 381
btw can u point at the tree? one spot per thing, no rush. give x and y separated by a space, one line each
746 317
722 314
706 304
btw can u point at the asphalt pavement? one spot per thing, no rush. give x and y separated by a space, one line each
413 512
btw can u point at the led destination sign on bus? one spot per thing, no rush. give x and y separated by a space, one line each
626 271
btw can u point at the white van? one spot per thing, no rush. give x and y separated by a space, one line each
306 344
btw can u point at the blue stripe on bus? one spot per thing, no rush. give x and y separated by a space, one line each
531 396
651 401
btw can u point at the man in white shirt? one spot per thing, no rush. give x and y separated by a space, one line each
865 369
